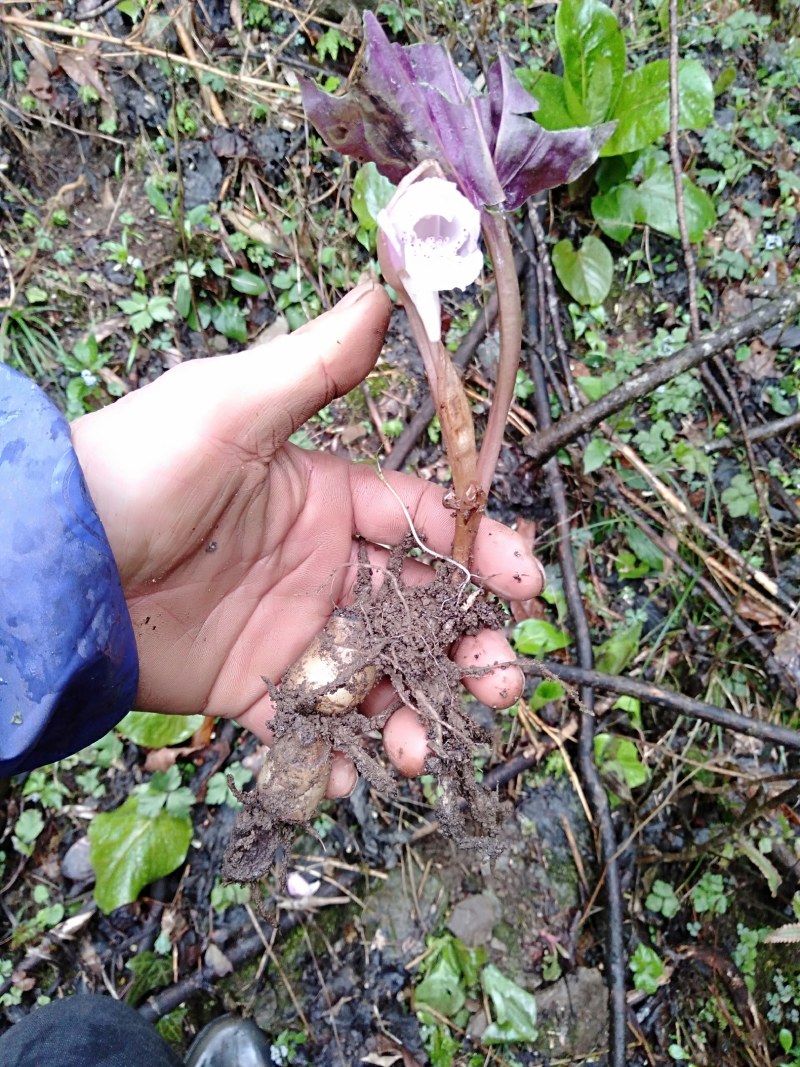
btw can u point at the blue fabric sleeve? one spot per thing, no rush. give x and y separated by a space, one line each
68 663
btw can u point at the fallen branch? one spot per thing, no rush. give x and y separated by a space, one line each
540 446
593 787
664 698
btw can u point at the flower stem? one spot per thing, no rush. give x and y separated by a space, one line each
467 500
495 233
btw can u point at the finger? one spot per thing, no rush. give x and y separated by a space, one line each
499 688
500 558
343 777
405 741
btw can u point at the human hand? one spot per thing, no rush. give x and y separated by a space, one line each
234 546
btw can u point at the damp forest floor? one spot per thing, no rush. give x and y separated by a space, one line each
162 199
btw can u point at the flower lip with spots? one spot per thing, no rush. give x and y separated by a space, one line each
428 241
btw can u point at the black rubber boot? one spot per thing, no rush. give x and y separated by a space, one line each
230 1042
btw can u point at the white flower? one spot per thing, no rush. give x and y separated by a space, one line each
428 240
297 886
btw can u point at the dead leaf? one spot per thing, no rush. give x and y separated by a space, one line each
39 81
741 234
82 70
761 361
749 609
787 651
255 229
216 959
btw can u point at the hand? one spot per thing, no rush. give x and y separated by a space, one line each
234 546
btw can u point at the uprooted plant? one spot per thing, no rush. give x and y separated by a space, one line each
463 161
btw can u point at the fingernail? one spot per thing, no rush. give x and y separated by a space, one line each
543 574
355 295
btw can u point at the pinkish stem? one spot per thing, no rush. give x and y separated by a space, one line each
495 233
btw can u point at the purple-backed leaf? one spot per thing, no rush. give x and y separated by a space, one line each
412 103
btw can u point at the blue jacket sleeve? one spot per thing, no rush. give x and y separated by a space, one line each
68 663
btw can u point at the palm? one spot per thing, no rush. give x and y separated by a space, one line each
234 546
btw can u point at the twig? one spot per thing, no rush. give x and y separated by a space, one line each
677 171
762 432
142 49
595 793
547 442
691 279
663 698
98 12
618 492
182 23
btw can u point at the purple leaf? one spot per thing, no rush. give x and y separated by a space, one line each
412 103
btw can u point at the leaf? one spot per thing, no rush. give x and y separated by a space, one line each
767 868
593 52
537 637
647 969
183 295
371 193
514 1009
150 972
642 109
784 935
615 212
594 388
643 548
548 89
596 455
616 653
442 989
243 281
586 274
430 111
546 692
656 205
129 851
619 758
740 497
150 729
229 320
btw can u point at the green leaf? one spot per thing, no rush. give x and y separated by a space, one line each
618 757
150 972
157 199
586 274
656 205
599 386
597 454
614 654
514 1009
183 295
371 193
536 637
593 52
615 212
767 868
442 989
643 548
546 692
150 729
548 89
129 850
249 284
642 109
229 320
740 497
647 969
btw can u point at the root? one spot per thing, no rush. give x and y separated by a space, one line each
401 633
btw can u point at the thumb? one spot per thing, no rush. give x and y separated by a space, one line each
279 386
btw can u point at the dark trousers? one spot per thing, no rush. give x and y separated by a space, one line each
85 1031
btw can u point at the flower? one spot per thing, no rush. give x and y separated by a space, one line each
412 103
428 240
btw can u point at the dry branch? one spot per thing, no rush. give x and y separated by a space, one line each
540 446
663 698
